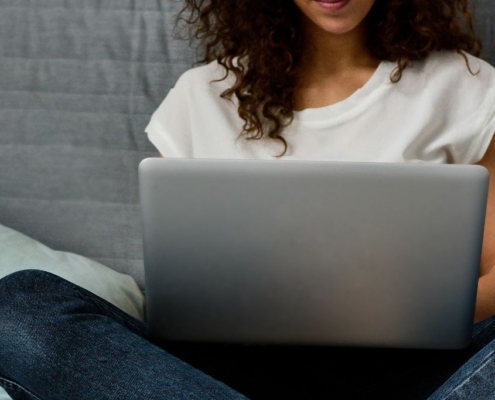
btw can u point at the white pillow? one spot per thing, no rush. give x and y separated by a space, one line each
4 395
18 252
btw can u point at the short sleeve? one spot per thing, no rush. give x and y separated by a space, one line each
486 115
169 129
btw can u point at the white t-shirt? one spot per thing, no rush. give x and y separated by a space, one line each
437 113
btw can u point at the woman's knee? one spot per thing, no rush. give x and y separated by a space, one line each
29 281
25 296
31 317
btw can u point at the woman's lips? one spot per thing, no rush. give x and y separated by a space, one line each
332 5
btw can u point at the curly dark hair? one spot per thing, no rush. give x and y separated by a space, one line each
270 44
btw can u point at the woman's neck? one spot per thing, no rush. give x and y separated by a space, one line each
333 68
329 54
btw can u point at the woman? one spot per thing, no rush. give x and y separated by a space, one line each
359 80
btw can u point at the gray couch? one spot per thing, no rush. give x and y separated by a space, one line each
79 80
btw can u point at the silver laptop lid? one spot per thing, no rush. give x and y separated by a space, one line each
312 252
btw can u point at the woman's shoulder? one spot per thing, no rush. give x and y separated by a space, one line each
447 77
444 68
204 77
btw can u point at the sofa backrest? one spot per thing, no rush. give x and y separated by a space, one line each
79 81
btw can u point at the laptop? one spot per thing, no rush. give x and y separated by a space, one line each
312 252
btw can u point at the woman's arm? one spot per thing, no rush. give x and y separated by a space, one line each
485 306
485 302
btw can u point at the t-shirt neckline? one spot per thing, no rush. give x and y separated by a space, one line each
379 77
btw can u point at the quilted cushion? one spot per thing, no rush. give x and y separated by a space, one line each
80 80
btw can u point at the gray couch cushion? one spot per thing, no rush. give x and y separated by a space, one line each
484 13
79 81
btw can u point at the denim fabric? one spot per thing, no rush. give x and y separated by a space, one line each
59 341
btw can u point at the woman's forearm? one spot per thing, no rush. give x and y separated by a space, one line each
485 301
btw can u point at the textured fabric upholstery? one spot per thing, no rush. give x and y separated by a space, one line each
79 80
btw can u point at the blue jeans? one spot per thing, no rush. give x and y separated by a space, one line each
59 341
